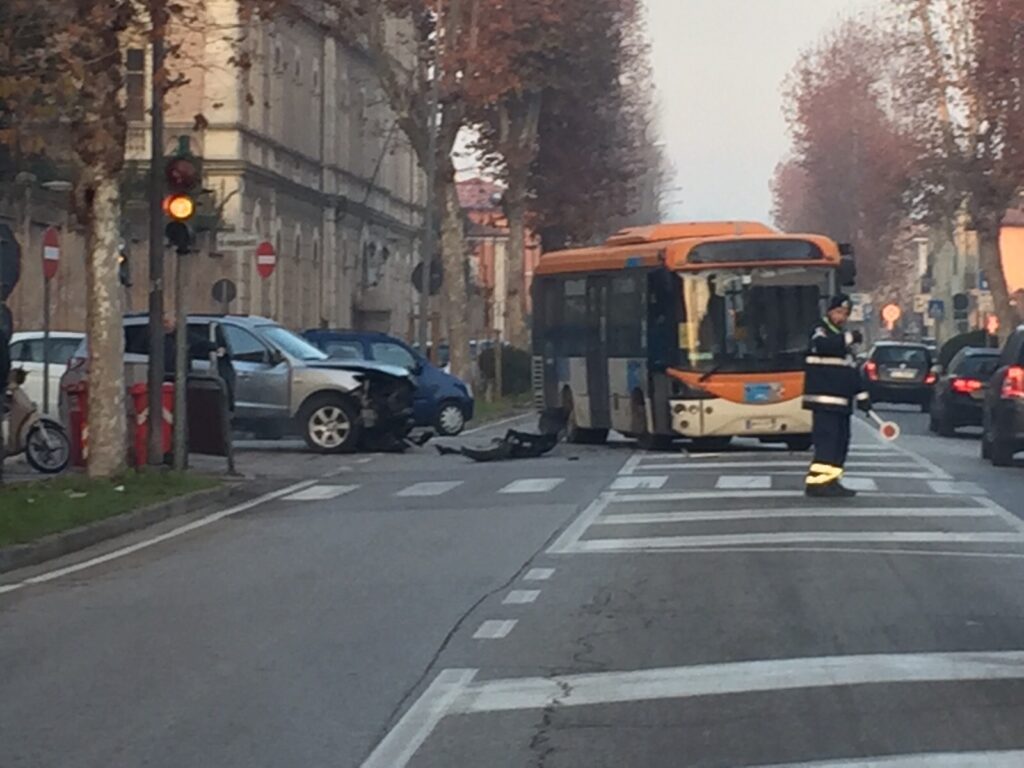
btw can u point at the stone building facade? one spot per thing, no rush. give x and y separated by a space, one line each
300 150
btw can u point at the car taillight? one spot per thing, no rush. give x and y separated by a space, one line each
966 386
931 378
871 369
1013 384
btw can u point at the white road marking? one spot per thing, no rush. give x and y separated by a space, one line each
1007 516
954 487
416 725
521 597
838 513
633 498
1007 759
539 574
938 472
578 527
860 483
533 485
495 629
701 466
735 678
873 551
639 482
737 482
429 489
801 537
172 534
320 493
631 464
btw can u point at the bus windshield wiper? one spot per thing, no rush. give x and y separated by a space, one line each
712 372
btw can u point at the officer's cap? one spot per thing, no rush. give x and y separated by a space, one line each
840 300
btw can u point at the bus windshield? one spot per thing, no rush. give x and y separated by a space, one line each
749 322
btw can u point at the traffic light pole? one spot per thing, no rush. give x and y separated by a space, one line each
156 243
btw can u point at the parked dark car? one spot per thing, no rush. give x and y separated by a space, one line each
440 400
1003 409
899 372
960 391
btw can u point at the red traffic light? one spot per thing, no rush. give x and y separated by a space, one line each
182 174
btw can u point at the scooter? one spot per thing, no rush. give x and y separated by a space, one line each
24 429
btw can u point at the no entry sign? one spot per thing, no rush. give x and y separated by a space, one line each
51 253
266 259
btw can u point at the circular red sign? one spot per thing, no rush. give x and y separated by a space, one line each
266 259
51 253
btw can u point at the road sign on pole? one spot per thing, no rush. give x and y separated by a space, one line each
51 263
266 259
51 253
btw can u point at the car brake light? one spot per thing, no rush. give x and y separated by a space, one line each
1013 384
930 378
871 369
966 386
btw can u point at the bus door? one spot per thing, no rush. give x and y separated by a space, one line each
598 289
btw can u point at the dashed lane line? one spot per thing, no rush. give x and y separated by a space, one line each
495 629
995 759
521 597
539 574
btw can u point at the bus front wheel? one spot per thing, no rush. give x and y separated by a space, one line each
580 435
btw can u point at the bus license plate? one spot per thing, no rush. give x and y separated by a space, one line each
761 425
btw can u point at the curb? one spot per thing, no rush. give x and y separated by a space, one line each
63 543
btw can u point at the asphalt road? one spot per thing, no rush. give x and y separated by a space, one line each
598 607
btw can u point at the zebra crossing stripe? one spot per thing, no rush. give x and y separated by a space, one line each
749 482
321 493
429 489
533 485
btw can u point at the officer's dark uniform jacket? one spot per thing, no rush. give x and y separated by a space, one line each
832 380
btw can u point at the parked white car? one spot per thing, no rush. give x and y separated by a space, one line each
27 352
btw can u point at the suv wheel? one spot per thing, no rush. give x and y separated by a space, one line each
329 424
451 419
1002 453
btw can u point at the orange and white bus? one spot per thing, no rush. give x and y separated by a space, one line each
675 331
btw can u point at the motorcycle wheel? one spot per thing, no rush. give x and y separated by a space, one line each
47 448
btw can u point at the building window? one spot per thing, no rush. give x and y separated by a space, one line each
135 83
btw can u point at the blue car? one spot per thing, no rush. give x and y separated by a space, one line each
440 401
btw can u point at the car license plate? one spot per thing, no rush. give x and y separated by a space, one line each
761 425
903 374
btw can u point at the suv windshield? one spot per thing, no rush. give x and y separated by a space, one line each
291 344
749 322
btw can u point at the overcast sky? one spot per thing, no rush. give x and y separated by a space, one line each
720 65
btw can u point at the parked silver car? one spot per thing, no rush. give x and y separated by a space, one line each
283 384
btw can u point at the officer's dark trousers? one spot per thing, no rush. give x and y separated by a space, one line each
831 444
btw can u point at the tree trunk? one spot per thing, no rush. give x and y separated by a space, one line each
107 428
454 293
990 259
515 279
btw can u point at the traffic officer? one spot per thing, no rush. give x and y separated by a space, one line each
833 386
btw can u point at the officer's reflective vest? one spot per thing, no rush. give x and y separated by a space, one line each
832 381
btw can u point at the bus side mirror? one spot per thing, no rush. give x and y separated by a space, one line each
847 265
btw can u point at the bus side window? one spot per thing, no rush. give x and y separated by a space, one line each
626 319
572 342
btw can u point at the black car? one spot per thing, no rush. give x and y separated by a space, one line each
960 391
899 372
1003 414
